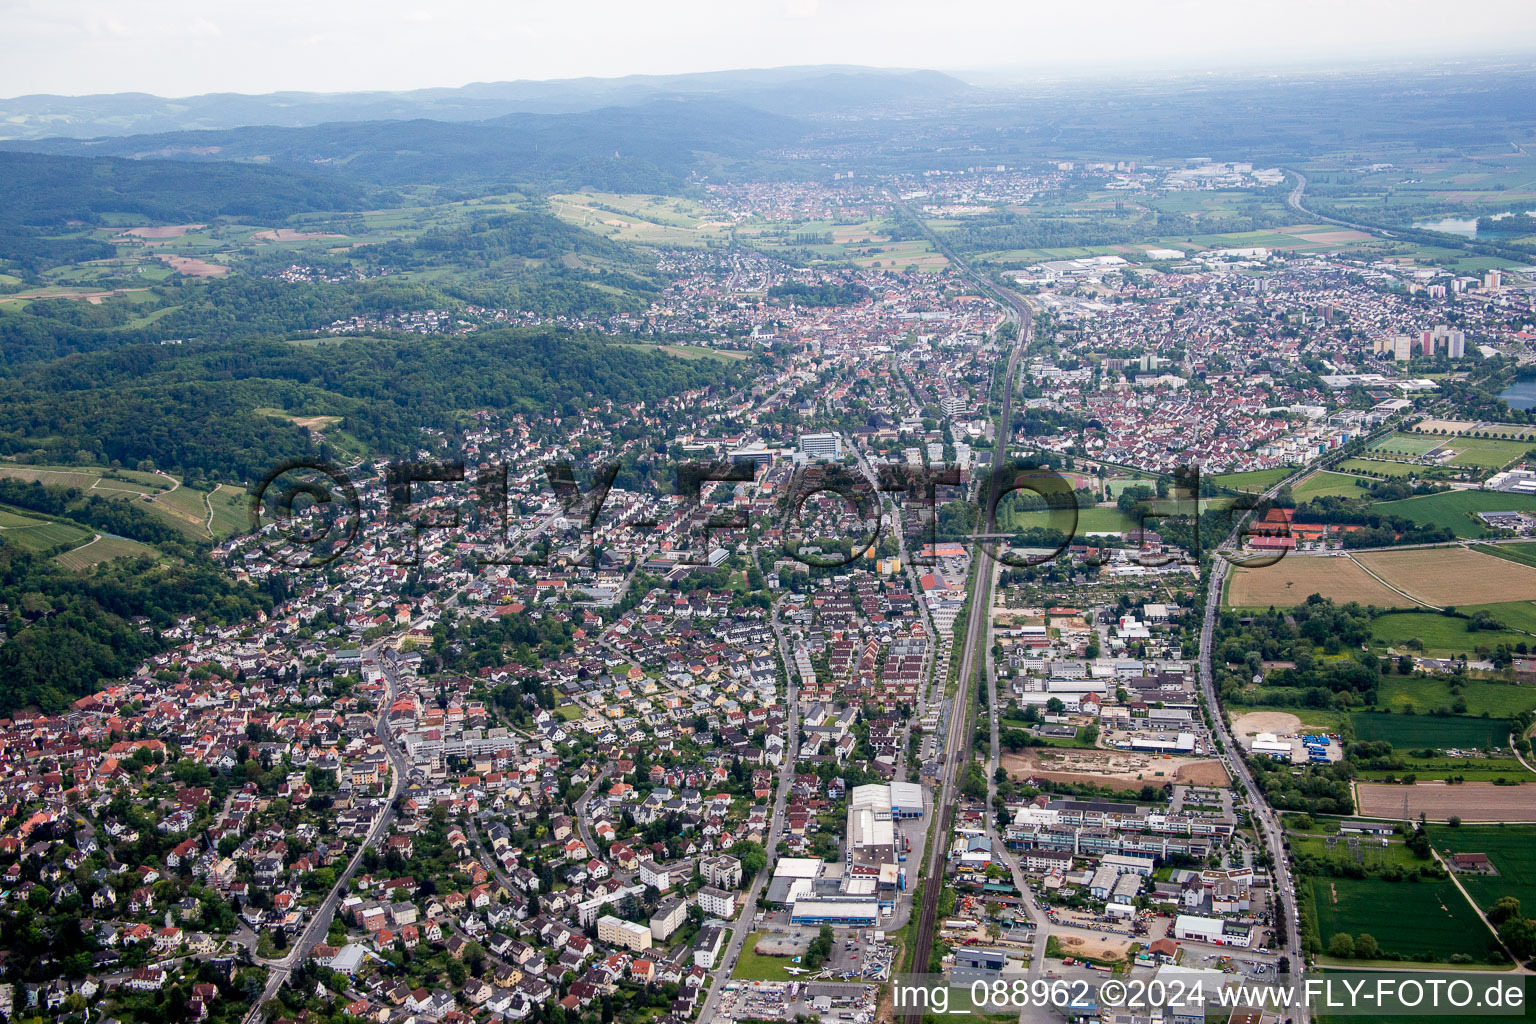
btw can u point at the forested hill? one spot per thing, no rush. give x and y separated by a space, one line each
195 410
38 189
650 147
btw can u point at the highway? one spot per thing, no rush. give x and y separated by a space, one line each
1294 200
957 739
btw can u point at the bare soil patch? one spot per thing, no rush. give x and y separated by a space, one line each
194 267
1092 944
1277 722
1119 769
164 231
290 235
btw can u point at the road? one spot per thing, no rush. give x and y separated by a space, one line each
742 926
320 922
1264 816
1294 200
957 738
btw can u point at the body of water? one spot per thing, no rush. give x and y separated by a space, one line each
1521 394
1466 227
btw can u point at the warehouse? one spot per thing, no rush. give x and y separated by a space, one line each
851 910
906 800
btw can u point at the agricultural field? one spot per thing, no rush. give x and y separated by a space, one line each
1440 635
1452 576
32 532
1420 695
1293 579
1511 848
1456 510
103 549
1410 732
1329 485
1519 615
1443 922
1470 801
648 219
185 508
1524 553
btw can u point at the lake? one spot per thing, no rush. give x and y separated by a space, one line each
1521 394
1466 227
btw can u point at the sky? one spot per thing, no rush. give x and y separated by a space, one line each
182 47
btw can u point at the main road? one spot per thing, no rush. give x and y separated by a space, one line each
957 740
1264 816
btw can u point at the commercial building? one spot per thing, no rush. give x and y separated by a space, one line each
973 964
858 911
822 446
1214 931
906 800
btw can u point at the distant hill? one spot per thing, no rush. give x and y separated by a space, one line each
41 189
651 145
797 91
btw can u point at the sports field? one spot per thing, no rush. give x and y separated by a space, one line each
1443 923
1452 576
1294 578
1511 848
1433 731
1486 452
1456 509
1407 444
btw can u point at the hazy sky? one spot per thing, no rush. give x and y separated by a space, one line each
182 47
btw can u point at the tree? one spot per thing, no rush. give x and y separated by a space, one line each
1342 946
1365 946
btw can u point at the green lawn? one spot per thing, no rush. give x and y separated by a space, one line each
1455 509
1486 452
1254 482
1431 731
1428 920
1380 467
1441 635
1324 484
1408 444
1525 554
1512 848
1514 614
1424 694
752 967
